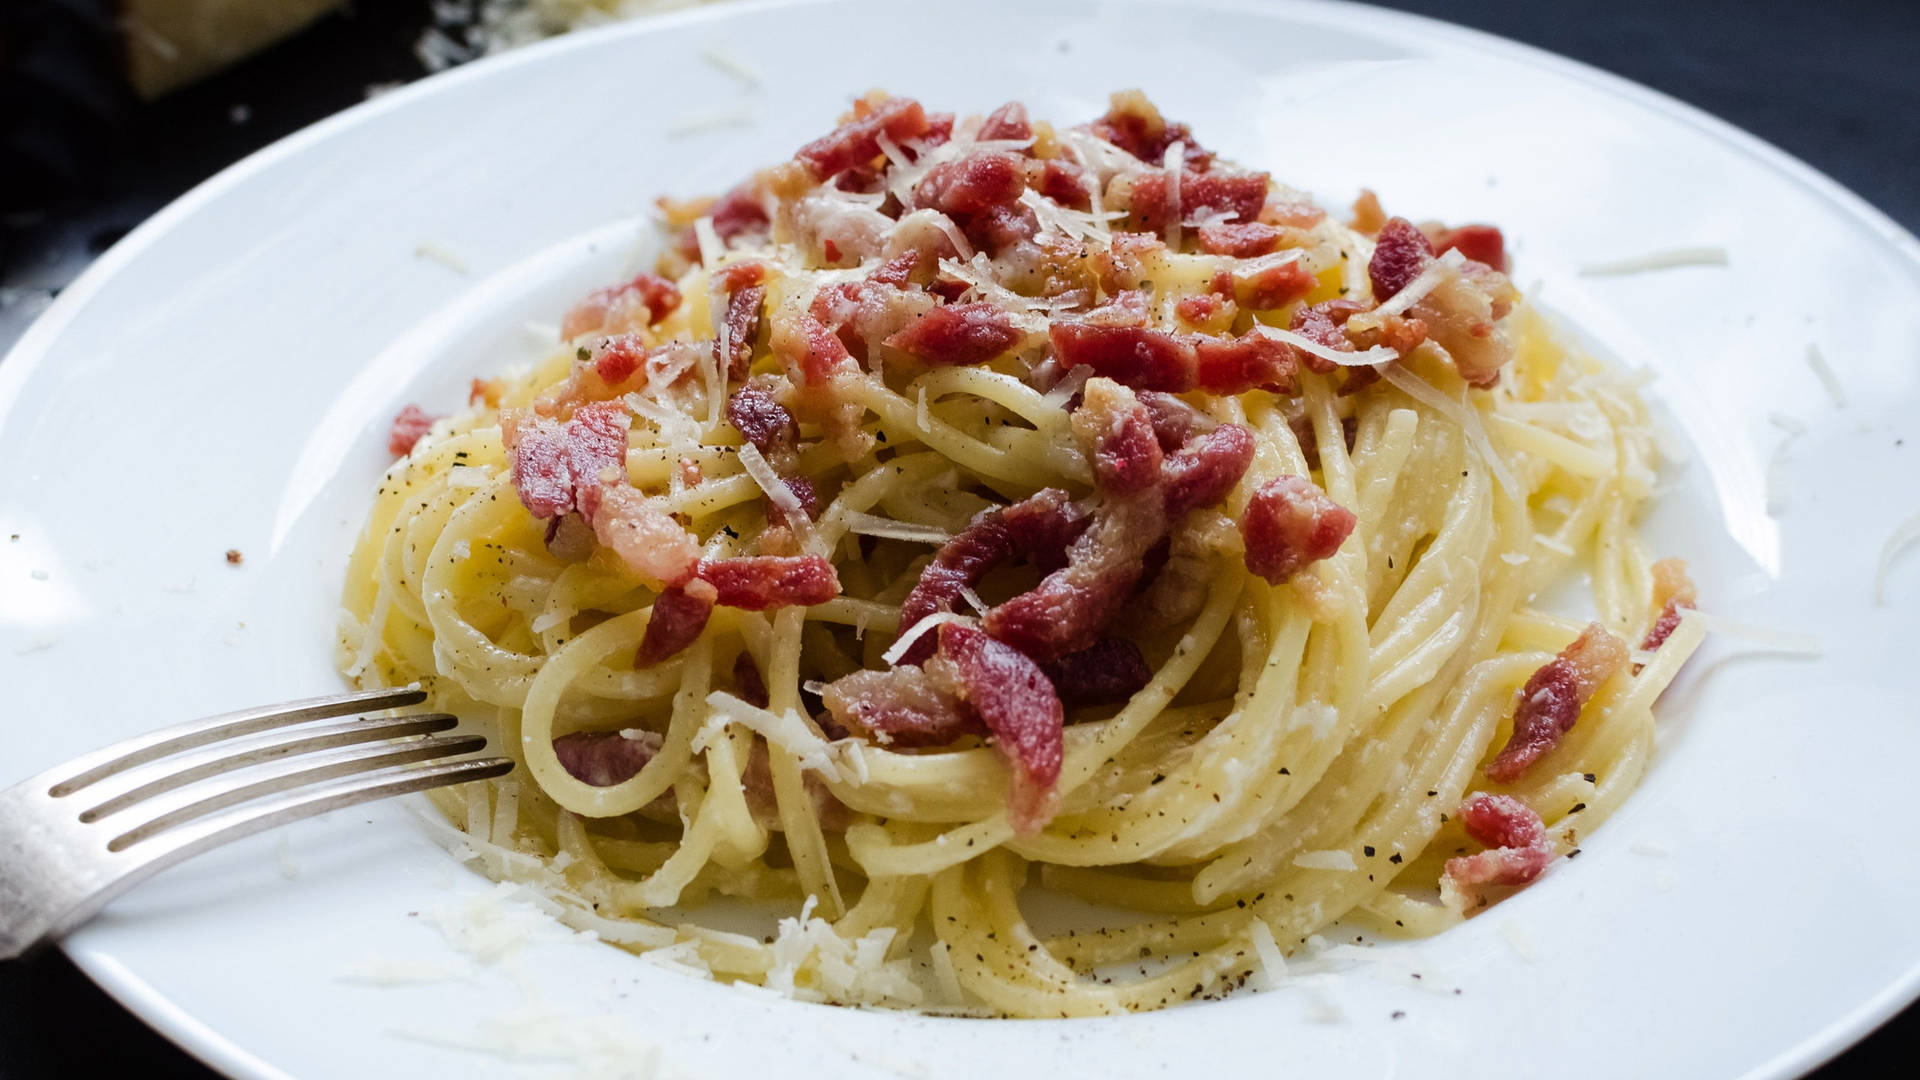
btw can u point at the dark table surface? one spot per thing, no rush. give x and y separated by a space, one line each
1835 82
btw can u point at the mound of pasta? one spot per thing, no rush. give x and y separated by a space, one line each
969 508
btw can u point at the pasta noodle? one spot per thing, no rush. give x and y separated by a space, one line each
1320 713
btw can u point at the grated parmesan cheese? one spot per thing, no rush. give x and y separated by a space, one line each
1379 354
733 65
1765 637
776 490
1520 941
1657 260
427 249
1429 279
1173 163
926 625
1829 381
1902 537
873 525
813 963
1273 966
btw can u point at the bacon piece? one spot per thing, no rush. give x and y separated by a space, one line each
1108 671
1463 314
748 686
616 359
742 322
1174 421
823 352
1481 243
1273 287
645 537
1202 195
906 707
643 301
605 758
1066 611
1517 846
1321 324
1368 216
1064 182
740 211
1201 309
959 565
1019 706
1550 703
958 335
1291 213
1122 269
1133 124
1206 469
409 427
873 309
486 392
1235 365
857 141
897 271
1135 356
804 494
1673 592
759 582
679 615
939 130
1290 524
1242 241
553 462
1116 431
1007 122
1042 526
764 422
1400 252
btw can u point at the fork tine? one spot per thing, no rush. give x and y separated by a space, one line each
97 766
351 761
291 744
184 843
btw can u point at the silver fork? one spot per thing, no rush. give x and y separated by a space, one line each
80 834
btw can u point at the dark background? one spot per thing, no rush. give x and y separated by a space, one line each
1836 83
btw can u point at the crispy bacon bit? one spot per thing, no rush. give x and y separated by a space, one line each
1174 421
873 309
740 275
1481 243
759 582
1291 213
1136 356
1242 241
1463 314
1673 592
1202 195
1550 703
1517 846
1007 122
1368 216
569 538
764 422
748 686
1290 524
1321 324
1117 433
1201 309
972 184
897 271
1206 469
1064 182
1019 706
1066 611
690 474
679 615
822 352
408 428
1108 671
1133 124
737 213
742 321
1400 252
645 537
804 494
643 301
1274 287
605 758
959 565
857 141
958 335
1042 527
1235 365
939 129
486 392
907 707
553 462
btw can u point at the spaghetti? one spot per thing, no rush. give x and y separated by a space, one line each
975 506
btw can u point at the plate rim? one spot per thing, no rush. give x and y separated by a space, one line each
223 1054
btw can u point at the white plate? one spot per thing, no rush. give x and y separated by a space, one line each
223 377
